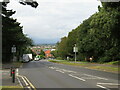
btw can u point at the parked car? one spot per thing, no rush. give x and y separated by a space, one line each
36 59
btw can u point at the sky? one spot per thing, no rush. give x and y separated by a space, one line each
52 19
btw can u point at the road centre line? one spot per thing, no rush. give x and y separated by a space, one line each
60 71
68 71
51 67
76 77
103 87
88 78
96 77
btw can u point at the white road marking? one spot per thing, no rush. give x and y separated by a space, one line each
51 67
103 87
17 72
76 77
60 71
19 82
109 84
88 78
68 71
96 77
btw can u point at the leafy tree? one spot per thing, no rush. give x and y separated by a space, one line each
32 3
97 36
71 41
62 48
12 34
42 53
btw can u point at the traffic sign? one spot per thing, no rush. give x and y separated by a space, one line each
75 49
13 50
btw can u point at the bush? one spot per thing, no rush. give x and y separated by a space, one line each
104 59
59 58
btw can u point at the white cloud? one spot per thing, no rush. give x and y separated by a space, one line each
53 19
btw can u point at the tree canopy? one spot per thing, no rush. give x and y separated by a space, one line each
97 36
12 34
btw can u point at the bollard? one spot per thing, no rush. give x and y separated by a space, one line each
11 69
13 75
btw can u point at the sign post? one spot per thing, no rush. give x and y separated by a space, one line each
75 49
13 50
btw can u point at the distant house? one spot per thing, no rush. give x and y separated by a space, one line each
48 54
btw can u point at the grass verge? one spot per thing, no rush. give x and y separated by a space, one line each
17 64
103 67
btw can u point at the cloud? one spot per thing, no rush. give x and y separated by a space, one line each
52 20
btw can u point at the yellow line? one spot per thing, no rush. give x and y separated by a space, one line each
27 81
30 83
23 80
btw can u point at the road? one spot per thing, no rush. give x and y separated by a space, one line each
44 74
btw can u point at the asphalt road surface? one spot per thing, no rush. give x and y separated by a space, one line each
44 74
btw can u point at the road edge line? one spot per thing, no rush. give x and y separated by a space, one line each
19 82
23 80
30 83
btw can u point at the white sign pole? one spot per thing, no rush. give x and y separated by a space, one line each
75 49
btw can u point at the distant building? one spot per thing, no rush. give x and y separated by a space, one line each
48 54
46 48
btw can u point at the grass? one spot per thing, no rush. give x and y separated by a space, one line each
102 67
113 63
17 64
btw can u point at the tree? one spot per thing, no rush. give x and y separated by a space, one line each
12 34
42 53
71 41
32 3
99 34
62 48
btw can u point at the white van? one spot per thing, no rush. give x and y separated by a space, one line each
27 57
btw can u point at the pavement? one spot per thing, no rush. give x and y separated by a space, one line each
6 78
21 82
